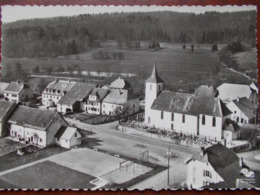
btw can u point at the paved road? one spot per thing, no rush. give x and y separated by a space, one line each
106 137
251 158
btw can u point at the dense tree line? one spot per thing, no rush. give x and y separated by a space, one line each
72 35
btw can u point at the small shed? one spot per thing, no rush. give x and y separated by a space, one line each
68 137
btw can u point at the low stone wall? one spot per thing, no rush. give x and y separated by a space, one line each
187 143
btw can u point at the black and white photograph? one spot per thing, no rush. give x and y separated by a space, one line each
129 97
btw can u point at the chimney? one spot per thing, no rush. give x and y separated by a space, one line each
17 82
237 99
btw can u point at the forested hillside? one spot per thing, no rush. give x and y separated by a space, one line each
72 35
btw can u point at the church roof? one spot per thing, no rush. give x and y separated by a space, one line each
187 104
154 78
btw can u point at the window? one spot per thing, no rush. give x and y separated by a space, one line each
161 114
159 87
40 139
237 119
207 173
183 118
203 120
172 126
75 134
235 112
242 120
172 116
214 121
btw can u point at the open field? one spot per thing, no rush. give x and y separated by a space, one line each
179 68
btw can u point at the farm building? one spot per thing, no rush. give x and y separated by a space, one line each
120 84
6 110
243 111
213 165
55 91
35 126
182 112
230 131
94 101
120 101
68 137
74 99
18 92
228 92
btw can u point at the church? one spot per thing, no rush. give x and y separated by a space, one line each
182 112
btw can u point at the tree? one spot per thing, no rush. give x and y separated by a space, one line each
214 47
70 70
60 69
49 70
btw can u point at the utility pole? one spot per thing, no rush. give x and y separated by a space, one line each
169 154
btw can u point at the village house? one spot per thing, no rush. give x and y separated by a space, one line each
55 91
243 111
94 101
120 102
73 100
6 110
228 92
68 137
183 112
230 131
35 126
212 165
18 92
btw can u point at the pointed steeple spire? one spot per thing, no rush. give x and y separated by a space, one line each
154 78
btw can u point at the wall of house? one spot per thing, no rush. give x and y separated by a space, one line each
75 140
12 97
132 106
208 129
237 115
196 177
227 135
90 108
189 126
46 97
52 129
63 108
63 143
109 109
27 134
4 126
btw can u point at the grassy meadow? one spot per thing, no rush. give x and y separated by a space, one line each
181 69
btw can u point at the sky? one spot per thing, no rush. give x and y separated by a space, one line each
14 13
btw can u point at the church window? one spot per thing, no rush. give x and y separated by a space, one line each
203 120
172 116
172 126
214 121
161 114
183 118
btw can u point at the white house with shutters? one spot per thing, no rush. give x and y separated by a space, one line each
183 112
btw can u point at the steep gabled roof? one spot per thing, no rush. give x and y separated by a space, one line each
229 92
120 84
100 93
32 117
78 92
205 90
14 87
245 106
119 96
5 106
187 104
66 133
154 78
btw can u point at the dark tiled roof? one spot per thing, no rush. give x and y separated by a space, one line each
32 117
78 92
154 78
205 90
5 106
60 132
119 96
225 110
187 104
14 87
120 84
100 93
245 106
